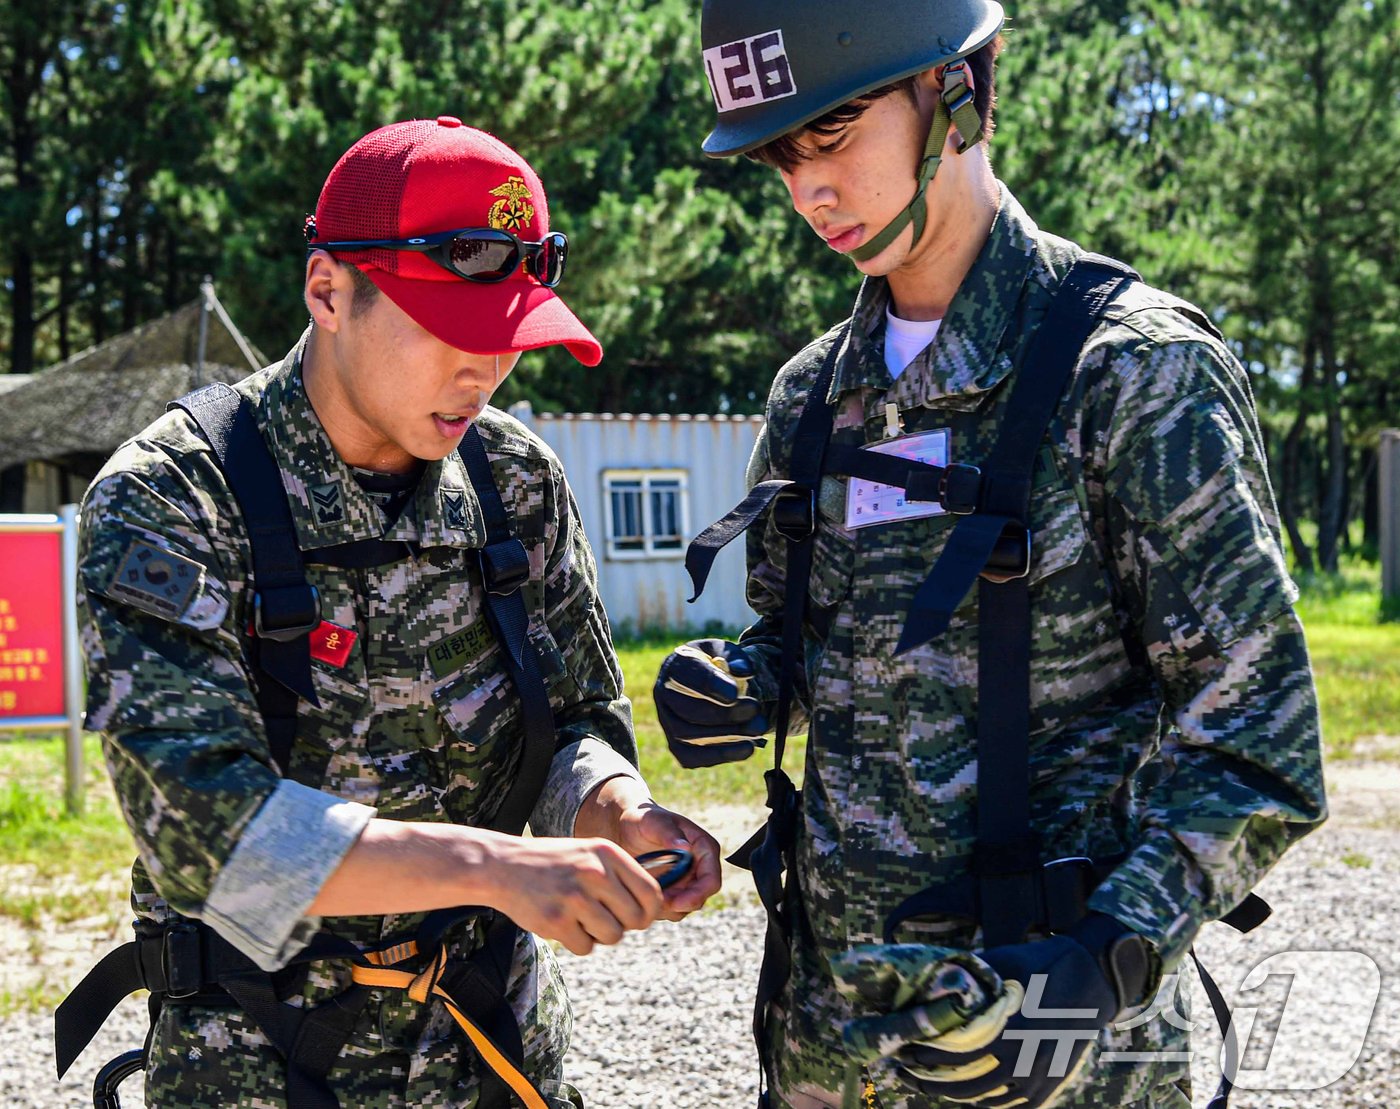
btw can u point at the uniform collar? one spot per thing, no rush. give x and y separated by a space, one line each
328 505
967 359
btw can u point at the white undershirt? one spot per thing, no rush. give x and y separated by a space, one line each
904 339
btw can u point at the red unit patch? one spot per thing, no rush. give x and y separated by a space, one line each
331 643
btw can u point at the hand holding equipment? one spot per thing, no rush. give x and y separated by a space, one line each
1059 993
915 993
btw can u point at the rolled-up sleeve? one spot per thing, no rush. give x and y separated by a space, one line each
222 836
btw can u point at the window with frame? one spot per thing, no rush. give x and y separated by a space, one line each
646 513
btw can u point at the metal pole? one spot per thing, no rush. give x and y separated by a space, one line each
72 662
1390 513
206 297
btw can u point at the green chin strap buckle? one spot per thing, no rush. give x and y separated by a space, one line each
956 108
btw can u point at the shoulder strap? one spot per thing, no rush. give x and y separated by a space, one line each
505 567
285 607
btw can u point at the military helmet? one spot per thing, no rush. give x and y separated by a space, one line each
776 65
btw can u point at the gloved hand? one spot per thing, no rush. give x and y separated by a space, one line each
920 993
1064 991
702 704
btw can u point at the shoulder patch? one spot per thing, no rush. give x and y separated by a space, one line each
326 504
156 580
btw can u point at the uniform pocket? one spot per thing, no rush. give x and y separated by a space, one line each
1058 538
482 719
833 554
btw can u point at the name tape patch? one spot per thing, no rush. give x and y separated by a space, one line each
452 652
749 71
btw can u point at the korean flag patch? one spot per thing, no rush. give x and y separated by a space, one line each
156 581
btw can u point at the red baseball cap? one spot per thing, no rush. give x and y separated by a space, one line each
427 175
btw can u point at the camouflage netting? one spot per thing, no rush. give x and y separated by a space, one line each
95 400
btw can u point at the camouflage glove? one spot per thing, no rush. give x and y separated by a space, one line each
702 704
920 994
1072 986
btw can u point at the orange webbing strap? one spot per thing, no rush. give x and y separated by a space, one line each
424 984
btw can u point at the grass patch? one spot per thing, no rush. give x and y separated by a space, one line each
1356 860
1356 657
39 837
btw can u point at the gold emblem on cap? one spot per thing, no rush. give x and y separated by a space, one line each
513 210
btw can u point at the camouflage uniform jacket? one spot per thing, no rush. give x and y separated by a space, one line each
1173 715
419 721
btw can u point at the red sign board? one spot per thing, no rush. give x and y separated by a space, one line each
31 624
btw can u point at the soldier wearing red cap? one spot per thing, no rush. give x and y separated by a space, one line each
326 734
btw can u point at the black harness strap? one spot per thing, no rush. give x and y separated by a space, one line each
285 608
1008 860
505 567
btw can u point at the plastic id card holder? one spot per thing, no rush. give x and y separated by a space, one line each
870 502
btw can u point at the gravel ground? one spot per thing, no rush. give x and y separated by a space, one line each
667 1012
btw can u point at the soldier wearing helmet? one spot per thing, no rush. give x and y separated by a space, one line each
1016 563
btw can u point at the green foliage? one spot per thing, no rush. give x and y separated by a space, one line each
37 833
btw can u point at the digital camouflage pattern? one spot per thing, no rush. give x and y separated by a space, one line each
1173 713
420 721
919 991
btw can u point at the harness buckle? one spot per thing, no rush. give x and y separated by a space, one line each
1011 556
180 961
286 612
795 513
505 566
961 488
1066 884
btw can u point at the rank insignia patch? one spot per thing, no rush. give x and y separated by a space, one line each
157 581
326 504
454 509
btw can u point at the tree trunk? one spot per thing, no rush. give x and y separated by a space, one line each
97 309
1290 485
1332 515
22 148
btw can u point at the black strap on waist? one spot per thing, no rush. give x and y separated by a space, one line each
187 962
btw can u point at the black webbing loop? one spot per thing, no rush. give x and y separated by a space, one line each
705 547
772 859
1229 1048
508 618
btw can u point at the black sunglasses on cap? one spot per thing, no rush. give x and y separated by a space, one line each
483 254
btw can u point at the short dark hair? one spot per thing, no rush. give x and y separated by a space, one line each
785 152
365 293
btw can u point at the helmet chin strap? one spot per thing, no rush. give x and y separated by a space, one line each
955 108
